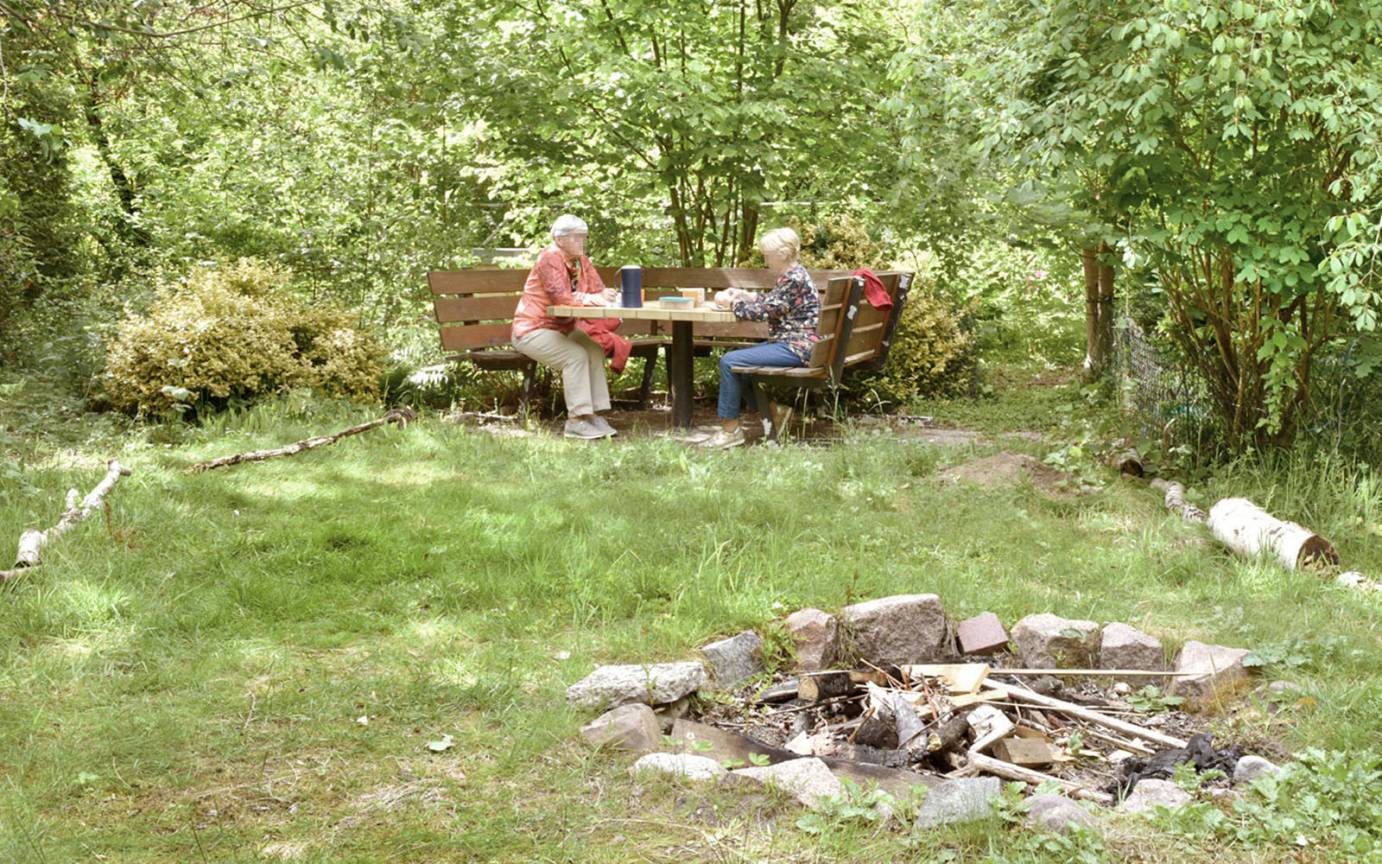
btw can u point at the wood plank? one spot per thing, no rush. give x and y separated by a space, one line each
495 359
865 338
480 307
1027 752
644 313
712 278
746 330
958 677
477 281
476 336
791 372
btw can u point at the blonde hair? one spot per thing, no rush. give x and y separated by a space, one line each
783 242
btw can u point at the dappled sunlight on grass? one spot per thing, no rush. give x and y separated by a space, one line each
433 582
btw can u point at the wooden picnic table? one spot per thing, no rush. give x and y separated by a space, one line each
679 358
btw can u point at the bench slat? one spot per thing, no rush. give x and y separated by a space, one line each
483 307
465 282
477 281
473 336
783 371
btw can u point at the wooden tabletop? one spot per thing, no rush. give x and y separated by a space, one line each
650 312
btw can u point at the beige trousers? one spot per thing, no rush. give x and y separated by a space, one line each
581 363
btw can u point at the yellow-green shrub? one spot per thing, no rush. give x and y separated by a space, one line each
932 353
232 333
837 243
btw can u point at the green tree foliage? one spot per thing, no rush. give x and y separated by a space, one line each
705 109
1241 139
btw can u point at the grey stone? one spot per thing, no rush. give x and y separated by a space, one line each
961 800
1056 813
1216 670
609 686
734 659
1125 647
908 628
682 765
808 780
1047 641
817 636
1283 688
1150 794
1249 768
628 727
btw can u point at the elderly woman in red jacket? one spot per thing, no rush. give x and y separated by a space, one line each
563 275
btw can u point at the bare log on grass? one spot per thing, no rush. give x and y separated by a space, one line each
403 416
31 542
1176 503
1251 531
1127 461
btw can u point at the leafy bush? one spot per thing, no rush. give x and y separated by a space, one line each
933 353
232 334
837 243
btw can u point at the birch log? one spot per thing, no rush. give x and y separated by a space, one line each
31 542
1251 531
1175 501
402 416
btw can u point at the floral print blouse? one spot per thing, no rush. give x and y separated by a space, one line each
792 310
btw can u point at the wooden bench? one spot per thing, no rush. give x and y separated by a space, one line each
853 335
474 311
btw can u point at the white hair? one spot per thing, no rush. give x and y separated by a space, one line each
568 224
783 242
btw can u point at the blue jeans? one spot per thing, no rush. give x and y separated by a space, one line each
732 387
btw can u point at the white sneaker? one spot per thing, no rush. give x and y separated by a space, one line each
723 440
604 426
583 429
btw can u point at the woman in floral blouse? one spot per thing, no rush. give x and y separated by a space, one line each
792 310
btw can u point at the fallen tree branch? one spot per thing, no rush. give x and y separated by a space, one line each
402 416
1022 694
1176 503
31 542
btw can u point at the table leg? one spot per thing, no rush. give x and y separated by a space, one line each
680 373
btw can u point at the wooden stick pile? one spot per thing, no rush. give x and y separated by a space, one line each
956 719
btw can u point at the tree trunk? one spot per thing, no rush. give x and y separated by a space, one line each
1098 284
128 227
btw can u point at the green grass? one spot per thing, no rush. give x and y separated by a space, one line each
184 682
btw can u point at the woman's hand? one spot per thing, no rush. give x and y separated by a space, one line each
725 299
594 299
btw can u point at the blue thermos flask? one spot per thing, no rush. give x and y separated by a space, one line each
631 283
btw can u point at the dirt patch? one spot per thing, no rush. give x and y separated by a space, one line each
1011 469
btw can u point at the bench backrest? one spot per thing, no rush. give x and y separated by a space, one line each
474 308
871 336
839 308
852 331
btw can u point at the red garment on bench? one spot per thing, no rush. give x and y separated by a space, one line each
874 290
616 347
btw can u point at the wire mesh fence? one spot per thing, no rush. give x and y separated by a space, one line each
1163 399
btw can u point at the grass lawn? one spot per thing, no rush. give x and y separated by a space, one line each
247 665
